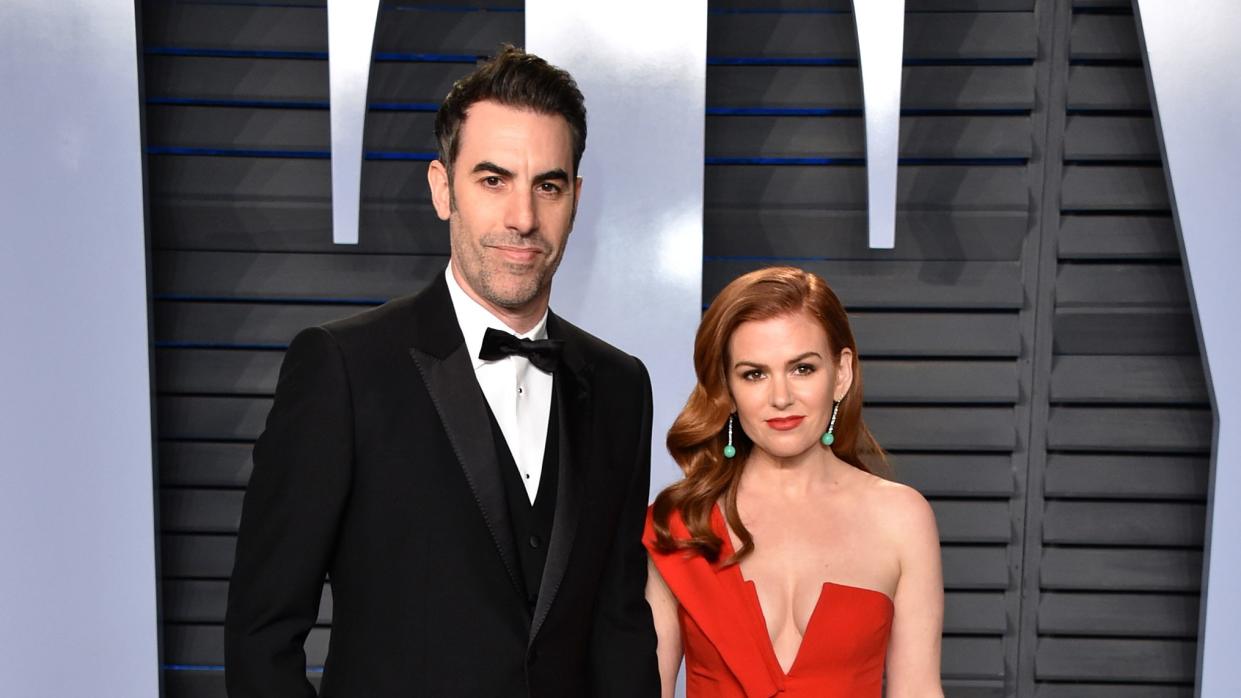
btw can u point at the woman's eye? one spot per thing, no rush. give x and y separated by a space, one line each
752 375
804 369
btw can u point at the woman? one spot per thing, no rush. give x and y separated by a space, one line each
782 563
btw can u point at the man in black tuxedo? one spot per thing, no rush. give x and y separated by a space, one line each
475 498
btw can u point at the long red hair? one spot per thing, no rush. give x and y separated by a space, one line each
697 437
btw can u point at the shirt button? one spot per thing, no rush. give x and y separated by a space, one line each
535 542
520 390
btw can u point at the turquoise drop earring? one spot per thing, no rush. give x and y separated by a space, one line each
730 450
828 437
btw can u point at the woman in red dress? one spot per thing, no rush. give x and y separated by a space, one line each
782 564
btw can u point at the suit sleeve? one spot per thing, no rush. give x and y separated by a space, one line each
289 519
623 660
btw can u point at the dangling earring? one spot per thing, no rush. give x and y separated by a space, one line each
828 437
729 450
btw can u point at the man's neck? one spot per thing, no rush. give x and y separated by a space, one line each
519 320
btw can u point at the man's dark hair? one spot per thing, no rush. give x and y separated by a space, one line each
513 78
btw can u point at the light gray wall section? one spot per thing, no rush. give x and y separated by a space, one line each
633 270
76 505
1191 58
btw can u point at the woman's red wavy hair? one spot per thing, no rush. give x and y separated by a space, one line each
697 437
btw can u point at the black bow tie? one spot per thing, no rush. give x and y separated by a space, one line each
543 354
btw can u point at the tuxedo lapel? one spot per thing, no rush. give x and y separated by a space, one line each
575 415
440 353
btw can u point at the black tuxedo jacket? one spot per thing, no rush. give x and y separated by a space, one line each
378 468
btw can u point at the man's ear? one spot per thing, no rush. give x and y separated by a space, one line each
441 189
577 196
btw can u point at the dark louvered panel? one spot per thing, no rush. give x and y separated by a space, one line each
939 318
1129 426
239 193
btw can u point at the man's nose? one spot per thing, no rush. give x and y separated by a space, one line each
521 215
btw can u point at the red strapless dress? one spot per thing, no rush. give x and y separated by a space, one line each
728 651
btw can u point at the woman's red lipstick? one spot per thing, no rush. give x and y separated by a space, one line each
784 423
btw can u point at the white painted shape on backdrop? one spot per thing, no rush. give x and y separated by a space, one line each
351 36
632 272
880 34
1191 57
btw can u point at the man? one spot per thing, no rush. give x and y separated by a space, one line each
476 499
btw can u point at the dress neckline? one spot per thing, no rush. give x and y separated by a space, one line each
755 606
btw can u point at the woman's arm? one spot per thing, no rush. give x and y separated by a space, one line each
667 628
914 647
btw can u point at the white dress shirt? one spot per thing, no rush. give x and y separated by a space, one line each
519 394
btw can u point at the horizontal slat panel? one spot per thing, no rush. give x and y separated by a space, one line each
1146 379
1123 523
988 335
200 511
1094 569
1117 237
1110 138
973 521
248 128
938 187
205 601
212 418
204 644
897 285
927 36
245 275
1109 88
932 87
1129 477
245 27
235 224
1120 284
975 567
943 428
955 475
843 234
973 657
217 371
1104 37
292 80
1118 330
975 613
981 382
204 464
245 324
197 557
844 136
197 179
1115 660
1077 689
1120 188
1129 429
973 688
1141 615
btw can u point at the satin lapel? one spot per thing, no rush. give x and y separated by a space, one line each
573 395
440 355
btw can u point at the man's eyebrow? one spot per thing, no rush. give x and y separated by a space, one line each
488 166
556 175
